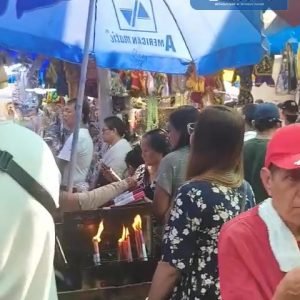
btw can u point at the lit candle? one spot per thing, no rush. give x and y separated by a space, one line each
121 250
139 238
128 244
96 241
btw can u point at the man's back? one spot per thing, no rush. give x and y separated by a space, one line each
27 233
254 157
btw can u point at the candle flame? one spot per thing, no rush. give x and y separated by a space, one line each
97 237
127 233
137 224
123 238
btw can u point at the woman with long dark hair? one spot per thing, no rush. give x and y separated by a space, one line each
172 170
214 194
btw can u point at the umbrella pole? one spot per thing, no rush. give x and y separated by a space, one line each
81 90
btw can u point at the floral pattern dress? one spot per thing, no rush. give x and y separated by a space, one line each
191 235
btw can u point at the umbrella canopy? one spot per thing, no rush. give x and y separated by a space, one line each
154 35
279 32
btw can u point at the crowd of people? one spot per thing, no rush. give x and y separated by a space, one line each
224 187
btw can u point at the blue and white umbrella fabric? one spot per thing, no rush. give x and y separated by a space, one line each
154 35
279 33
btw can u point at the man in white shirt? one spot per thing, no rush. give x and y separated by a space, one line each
27 233
85 147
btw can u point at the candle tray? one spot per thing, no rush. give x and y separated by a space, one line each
76 235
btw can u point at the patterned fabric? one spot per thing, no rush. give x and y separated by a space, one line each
191 236
144 181
246 84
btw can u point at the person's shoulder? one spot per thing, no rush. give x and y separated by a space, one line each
175 155
197 187
125 144
244 224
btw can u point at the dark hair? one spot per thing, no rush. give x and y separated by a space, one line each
116 123
248 111
217 142
290 119
134 157
259 101
263 125
158 141
85 109
179 119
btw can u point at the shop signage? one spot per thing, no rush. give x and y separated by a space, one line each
239 4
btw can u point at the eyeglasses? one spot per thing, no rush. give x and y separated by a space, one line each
191 128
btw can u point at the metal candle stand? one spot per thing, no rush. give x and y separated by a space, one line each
109 267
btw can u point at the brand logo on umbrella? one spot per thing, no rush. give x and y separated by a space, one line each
135 15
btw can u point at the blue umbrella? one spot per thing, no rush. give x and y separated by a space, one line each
279 32
155 35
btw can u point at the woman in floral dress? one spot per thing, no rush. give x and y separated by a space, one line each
214 194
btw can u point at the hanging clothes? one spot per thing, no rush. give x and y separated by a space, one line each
263 72
298 62
152 113
138 83
91 84
292 69
72 72
196 84
287 79
245 74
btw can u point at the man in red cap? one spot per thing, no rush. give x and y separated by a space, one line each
259 256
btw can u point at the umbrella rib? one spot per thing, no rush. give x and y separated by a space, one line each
187 47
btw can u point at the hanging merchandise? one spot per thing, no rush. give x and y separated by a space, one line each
3 75
72 76
298 62
152 113
125 77
138 83
56 77
177 88
91 85
263 72
118 83
196 84
245 74
150 84
287 80
214 90
282 85
161 84
3 78
293 83
24 101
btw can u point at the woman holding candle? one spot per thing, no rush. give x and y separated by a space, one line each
155 146
214 194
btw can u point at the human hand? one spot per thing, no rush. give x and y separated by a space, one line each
108 175
289 287
131 181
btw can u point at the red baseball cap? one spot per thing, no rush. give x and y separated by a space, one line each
284 148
